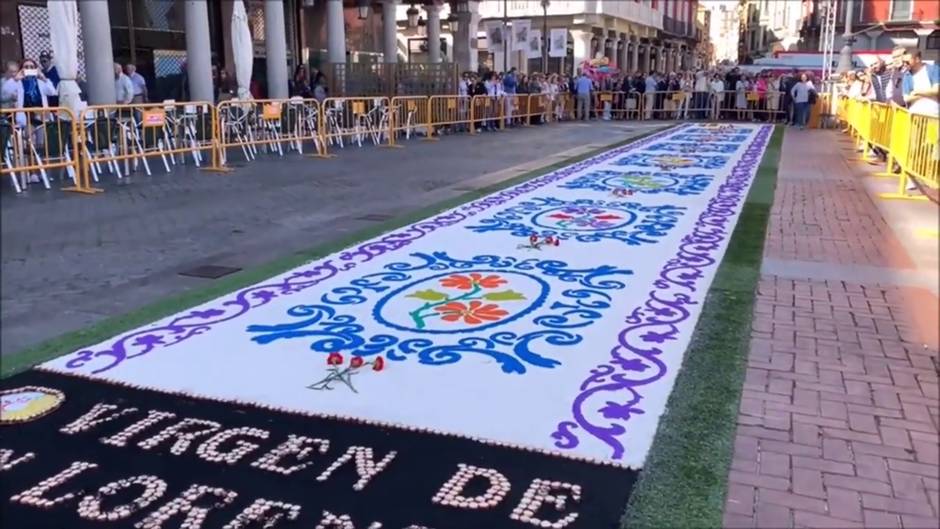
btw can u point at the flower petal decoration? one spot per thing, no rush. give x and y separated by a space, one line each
378 364
356 362
473 313
463 282
334 359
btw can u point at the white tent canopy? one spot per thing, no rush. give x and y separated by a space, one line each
63 32
242 49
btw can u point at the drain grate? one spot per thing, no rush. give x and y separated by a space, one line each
209 271
374 217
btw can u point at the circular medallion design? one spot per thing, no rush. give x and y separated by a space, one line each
641 182
584 218
461 301
28 403
666 160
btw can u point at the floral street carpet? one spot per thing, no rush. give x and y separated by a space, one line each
502 364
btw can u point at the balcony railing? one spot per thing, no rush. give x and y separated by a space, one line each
627 10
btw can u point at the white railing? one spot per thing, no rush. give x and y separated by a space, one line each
526 8
625 9
632 11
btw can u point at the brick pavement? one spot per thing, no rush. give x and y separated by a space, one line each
839 411
70 261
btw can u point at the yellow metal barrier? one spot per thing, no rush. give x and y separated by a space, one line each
409 116
34 141
446 112
133 135
485 113
355 119
271 125
910 141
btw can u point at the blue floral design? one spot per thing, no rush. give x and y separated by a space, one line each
561 314
637 225
687 147
668 161
643 182
705 137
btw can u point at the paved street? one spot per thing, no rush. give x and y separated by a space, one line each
70 261
838 419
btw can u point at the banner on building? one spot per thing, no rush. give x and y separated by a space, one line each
558 42
520 34
494 35
535 44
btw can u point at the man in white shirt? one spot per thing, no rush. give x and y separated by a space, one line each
138 82
649 95
123 88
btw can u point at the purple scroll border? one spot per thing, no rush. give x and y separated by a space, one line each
658 319
144 340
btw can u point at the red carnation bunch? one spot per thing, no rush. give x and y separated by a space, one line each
337 373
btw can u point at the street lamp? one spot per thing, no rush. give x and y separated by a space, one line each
545 4
454 22
412 14
363 6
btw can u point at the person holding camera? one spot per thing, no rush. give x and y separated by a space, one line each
33 87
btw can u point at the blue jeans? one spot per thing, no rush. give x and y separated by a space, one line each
801 114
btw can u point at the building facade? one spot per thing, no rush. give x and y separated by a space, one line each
725 29
633 35
769 26
880 25
179 46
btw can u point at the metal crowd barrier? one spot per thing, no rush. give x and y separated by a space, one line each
37 141
447 113
131 136
910 142
347 120
409 117
271 126
117 139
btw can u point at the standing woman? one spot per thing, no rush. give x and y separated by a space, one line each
686 84
300 84
760 86
740 97
773 97
717 89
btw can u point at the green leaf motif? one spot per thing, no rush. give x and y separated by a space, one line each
428 295
505 295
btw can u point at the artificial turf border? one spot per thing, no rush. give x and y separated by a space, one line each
684 479
72 341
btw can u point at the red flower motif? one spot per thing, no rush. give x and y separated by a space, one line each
378 364
335 359
533 238
462 282
473 314
356 361
549 240
557 242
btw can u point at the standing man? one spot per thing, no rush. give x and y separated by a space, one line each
123 89
51 73
649 95
583 87
510 83
138 82
920 85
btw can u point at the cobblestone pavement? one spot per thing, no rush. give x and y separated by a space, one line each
70 261
839 413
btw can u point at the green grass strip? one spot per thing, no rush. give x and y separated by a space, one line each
69 342
685 478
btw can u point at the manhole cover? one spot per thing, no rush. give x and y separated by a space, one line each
209 271
374 217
